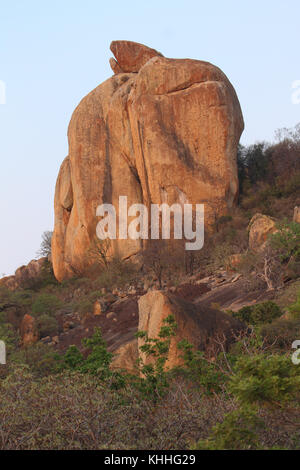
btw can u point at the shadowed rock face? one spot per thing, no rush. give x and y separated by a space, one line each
159 130
205 328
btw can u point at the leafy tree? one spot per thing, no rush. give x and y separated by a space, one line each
99 359
154 381
73 358
209 375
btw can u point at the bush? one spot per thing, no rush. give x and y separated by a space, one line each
258 314
46 325
238 431
265 312
294 309
281 333
41 359
201 371
286 241
96 363
154 381
84 306
117 274
46 304
265 380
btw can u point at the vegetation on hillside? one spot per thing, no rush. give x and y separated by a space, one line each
245 398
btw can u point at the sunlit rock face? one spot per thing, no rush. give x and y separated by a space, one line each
159 130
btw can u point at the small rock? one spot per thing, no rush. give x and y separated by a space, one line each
46 339
97 308
110 315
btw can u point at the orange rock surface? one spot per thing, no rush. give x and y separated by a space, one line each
159 130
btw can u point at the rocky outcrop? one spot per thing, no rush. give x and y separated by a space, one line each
126 357
296 217
24 275
203 328
130 56
260 228
28 331
159 130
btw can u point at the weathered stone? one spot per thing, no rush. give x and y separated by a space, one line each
28 331
296 217
97 308
126 356
201 327
260 228
24 274
110 315
131 56
168 133
115 66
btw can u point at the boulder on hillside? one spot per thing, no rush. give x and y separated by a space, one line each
260 227
204 328
296 217
28 331
158 131
24 274
126 357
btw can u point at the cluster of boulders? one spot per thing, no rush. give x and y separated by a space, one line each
24 275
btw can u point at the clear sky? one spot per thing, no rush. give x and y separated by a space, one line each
52 53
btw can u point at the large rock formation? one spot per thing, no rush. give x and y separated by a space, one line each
24 275
260 228
159 130
296 217
206 329
28 331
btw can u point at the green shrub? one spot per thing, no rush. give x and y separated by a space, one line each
96 363
84 306
99 359
46 325
73 357
201 371
281 333
294 309
46 304
238 431
258 314
286 241
39 357
265 312
265 380
154 381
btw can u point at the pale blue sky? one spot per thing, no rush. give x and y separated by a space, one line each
52 53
